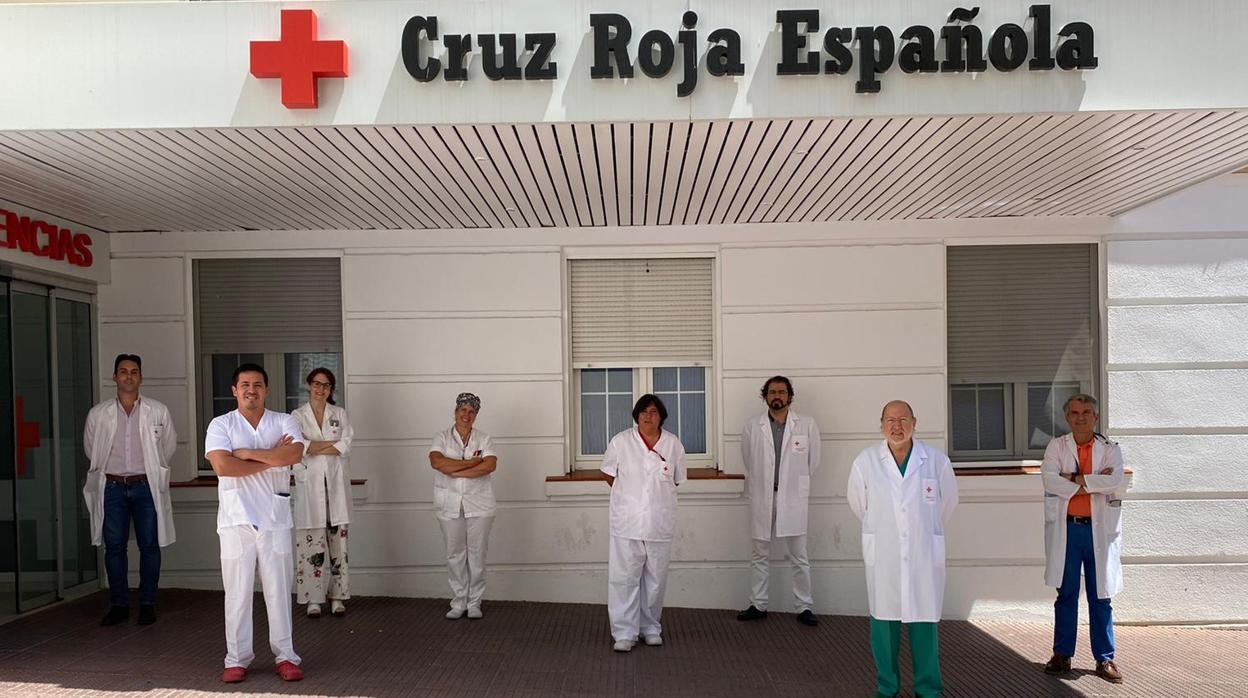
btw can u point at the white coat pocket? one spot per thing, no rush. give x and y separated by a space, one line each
931 491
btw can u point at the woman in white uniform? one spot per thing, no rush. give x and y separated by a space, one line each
322 499
463 500
643 467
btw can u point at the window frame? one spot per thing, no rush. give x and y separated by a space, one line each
643 382
1016 403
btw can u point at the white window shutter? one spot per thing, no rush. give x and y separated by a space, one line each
636 311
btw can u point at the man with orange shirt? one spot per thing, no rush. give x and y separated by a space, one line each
1083 476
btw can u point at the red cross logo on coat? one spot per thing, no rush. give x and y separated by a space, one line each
299 59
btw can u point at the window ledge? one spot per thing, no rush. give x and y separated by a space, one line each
211 481
591 484
202 492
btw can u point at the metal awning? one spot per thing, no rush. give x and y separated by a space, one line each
617 174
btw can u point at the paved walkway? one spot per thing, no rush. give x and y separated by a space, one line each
404 647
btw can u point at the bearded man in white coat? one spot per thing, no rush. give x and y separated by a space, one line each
780 449
251 450
129 440
1083 478
904 492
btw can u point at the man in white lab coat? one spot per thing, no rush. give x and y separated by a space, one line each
780 449
129 440
251 450
1083 478
904 492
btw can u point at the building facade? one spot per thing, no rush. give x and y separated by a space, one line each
981 243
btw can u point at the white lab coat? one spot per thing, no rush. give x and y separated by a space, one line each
643 497
799 459
1062 456
903 529
158 438
324 481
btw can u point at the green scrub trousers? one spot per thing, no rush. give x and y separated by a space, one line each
924 653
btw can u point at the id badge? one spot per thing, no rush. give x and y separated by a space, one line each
931 491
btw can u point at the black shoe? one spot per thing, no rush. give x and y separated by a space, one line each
115 615
751 613
807 618
147 614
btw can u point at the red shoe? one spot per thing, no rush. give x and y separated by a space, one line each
289 671
234 674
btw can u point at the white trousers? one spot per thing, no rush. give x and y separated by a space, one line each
636 579
760 564
242 547
466 540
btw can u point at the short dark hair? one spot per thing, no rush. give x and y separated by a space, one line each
333 382
138 361
644 402
777 379
249 368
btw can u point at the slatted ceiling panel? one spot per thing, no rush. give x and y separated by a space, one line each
405 158
661 173
1203 161
875 167
1174 155
759 142
673 165
1070 149
542 152
399 180
632 311
995 164
774 199
970 156
991 182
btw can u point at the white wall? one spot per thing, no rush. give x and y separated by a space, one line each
853 314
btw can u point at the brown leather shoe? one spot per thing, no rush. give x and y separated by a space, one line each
1059 664
1109 671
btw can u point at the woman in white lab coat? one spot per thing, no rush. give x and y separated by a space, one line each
322 499
904 492
643 467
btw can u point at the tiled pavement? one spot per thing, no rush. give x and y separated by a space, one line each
404 647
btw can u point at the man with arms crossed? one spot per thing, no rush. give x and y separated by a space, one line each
1082 473
781 453
251 449
129 440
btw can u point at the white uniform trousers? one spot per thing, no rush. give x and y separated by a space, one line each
241 548
760 564
466 540
636 579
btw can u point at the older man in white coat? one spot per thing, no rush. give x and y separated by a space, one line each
780 449
1083 479
129 440
904 491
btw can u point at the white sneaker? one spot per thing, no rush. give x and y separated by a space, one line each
314 610
455 613
654 640
475 613
337 608
623 646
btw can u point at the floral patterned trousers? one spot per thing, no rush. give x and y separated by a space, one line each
321 564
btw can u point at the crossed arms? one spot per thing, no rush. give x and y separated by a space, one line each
473 467
249 461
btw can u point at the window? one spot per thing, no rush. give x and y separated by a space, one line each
641 326
1022 329
284 314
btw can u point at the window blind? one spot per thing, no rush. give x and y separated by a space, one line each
637 311
278 305
1021 313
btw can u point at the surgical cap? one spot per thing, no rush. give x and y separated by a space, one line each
468 399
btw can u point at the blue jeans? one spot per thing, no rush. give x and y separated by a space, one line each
1079 554
122 504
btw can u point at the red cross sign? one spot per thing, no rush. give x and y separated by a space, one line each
299 59
27 434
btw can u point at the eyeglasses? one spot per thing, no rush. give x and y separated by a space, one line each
322 385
